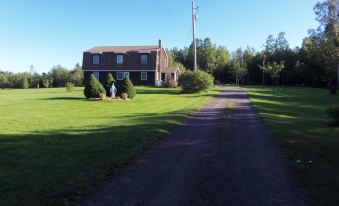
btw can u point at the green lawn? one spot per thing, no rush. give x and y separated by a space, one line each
297 118
54 145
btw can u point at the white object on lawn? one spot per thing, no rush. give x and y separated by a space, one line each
113 90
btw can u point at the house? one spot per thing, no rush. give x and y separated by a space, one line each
145 65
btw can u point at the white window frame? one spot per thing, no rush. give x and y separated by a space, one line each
126 74
120 59
143 78
96 59
121 77
97 75
141 58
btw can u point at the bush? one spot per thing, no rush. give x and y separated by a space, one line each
102 96
170 83
94 88
23 83
110 80
193 82
333 112
124 95
69 87
127 87
333 90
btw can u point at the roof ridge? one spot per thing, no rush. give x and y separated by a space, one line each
129 46
122 48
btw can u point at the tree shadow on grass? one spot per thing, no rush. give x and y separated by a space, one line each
158 91
55 167
65 98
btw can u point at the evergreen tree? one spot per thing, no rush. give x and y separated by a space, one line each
127 87
109 82
94 88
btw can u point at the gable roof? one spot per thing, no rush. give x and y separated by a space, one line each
123 49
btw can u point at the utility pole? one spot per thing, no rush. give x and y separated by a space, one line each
194 18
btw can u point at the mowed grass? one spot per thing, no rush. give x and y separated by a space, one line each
54 145
297 119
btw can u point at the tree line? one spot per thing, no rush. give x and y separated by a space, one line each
315 63
58 76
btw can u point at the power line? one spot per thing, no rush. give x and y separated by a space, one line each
170 12
188 37
189 29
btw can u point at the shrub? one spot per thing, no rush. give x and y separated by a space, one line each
333 112
23 83
333 90
69 87
193 82
127 87
170 83
110 80
102 96
94 88
124 95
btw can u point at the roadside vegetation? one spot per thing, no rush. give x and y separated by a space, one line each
194 82
297 118
55 144
314 63
58 76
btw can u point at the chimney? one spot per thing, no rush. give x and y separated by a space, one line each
160 43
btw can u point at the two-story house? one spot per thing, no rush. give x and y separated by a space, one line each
145 65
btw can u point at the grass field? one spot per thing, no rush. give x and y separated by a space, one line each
54 145
298 120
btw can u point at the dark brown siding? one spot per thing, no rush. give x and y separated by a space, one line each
108 62
134 76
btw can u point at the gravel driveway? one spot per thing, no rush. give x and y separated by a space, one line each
218 156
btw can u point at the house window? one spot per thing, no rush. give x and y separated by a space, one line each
172 75
120 76
97 75
143 58
120 59
126 74
144 76
95 59
163 76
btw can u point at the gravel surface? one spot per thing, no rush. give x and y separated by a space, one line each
221 155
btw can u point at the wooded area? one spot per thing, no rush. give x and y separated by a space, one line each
58 76
315 63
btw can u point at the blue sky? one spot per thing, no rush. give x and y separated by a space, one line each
44 33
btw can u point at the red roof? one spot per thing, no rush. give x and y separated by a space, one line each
123 49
